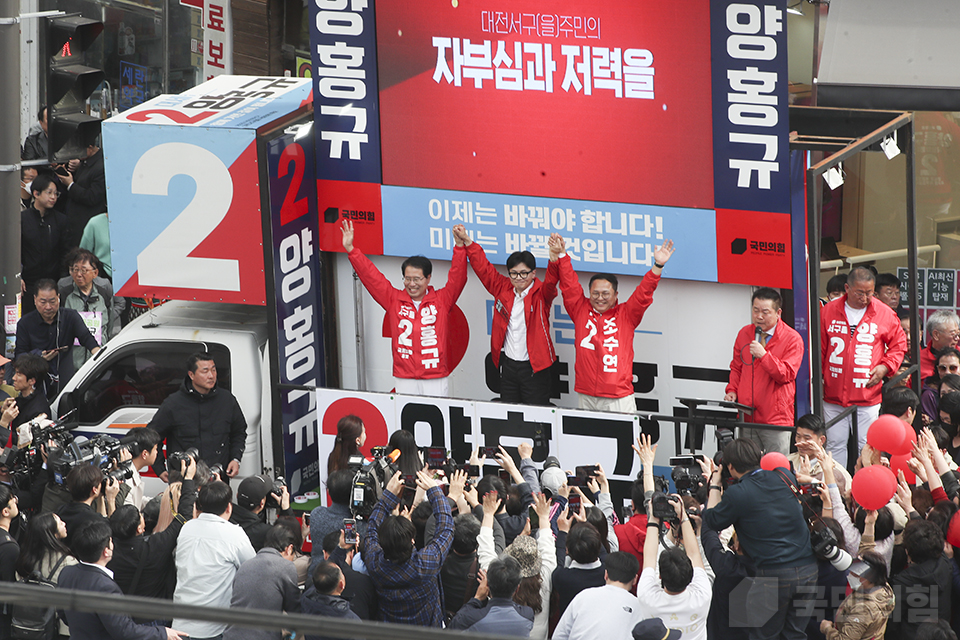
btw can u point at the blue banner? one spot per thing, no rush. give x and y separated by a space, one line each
600 236
296 278
343 45
750 105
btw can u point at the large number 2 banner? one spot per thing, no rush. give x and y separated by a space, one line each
191 201
184 189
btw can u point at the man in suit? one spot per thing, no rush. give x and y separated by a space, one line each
93 547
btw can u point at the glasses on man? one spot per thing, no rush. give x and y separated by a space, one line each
416 280
82 271
520 275
601 295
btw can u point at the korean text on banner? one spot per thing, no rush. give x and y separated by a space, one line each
296 274
750 123
343 42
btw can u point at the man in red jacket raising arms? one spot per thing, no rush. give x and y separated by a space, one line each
604 330
861 341
419 316
521 321
763 373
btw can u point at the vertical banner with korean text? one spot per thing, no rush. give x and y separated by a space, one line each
296 274
217 39
751 141
343 43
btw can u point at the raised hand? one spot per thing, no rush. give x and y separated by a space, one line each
347 230
662 253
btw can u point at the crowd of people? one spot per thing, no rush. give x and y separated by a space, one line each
536 551
516 548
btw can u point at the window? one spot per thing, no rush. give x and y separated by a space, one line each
143 374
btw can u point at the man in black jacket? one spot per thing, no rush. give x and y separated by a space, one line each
250 510
203 416
324 597
360 590
86 192
43 237
143 565
28 371
922 590
493 610
49 332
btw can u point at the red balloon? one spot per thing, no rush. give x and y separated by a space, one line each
873 486
774 459
899 463
887 434
909 439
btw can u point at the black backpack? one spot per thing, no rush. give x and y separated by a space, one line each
36 622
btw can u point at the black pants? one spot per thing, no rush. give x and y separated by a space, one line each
520 385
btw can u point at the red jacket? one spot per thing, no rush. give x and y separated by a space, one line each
631 535
769 384
536 309
847 360
604 342
418 335
928 362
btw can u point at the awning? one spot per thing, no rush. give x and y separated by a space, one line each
891 54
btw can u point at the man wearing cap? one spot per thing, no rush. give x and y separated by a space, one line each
610 611
250 511
654 629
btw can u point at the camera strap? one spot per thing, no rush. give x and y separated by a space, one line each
809 514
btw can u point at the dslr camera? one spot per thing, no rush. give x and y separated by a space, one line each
826 547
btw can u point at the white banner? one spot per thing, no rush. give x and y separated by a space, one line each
217 39
574 437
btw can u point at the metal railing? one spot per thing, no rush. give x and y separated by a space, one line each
155 609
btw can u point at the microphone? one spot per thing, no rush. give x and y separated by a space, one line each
759 332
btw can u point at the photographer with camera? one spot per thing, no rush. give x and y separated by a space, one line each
87 485
29 370
143 452
683 591
143 565
250 511
771 527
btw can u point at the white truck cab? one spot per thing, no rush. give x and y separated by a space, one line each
124 384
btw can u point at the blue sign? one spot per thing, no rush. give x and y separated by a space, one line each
133 85
343 45
750 125
296 278
600 236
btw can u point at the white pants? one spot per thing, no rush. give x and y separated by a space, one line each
436 387
838 434
616 405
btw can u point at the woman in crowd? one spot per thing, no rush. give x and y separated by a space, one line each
45 553
409 461
865 611
351 434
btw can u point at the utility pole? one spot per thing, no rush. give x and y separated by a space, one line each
9 162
